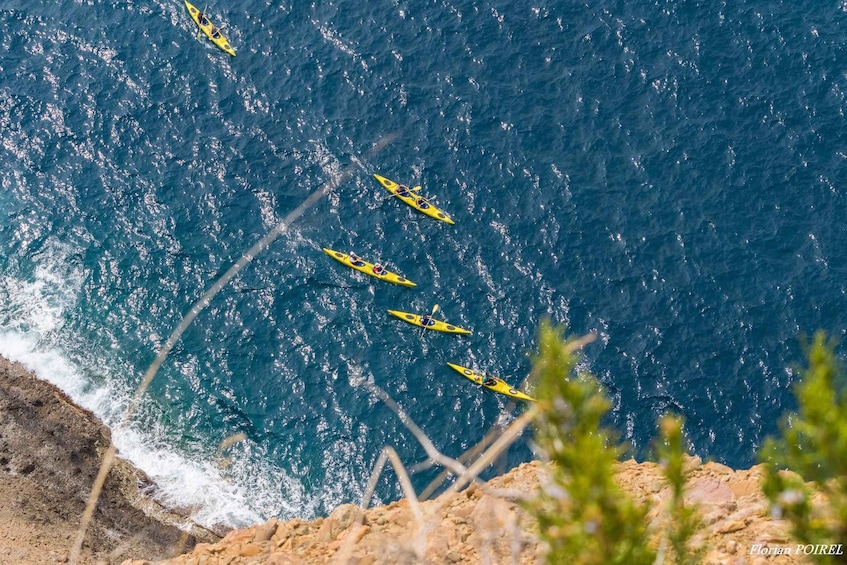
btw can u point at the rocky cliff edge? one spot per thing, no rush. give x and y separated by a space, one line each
486 525
50 452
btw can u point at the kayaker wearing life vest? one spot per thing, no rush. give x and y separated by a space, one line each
356 260
413 198
427 320
379 269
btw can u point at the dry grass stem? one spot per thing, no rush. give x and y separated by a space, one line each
192 314
108 457
489 438
508 437
431 451
388 454
230 441
464 474
576 344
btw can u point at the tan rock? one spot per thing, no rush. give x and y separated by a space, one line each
751 511
690 464
463 511
441 539
745 487
379 518
708 491
205 548
282 534
402 519
712 516
453 556
237 536
731 547
303 543
464 532
494 524
266 531
718 469
346 514
355 534
283 558
731 526
249 550
477 527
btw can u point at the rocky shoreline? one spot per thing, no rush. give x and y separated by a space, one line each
487 525
50 452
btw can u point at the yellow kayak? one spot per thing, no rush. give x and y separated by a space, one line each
416 201
437 325
499 385
211 31
360 264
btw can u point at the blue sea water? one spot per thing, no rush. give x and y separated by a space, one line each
668 174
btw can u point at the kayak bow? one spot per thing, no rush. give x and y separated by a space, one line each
417 202
368 268
436 325
500 386
211 31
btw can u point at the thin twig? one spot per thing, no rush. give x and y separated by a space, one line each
426 443
465 475
576 344
488 439
186 321
388 454
510 434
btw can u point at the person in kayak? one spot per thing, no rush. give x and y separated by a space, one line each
356 260
489 381
378 269
216 33
201 19
422 204
426 320
402 191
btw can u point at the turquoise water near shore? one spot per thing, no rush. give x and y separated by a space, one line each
668 174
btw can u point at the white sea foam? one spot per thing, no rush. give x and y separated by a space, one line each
34 332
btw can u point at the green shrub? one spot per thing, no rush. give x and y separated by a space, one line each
813 444
683 520
582 514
